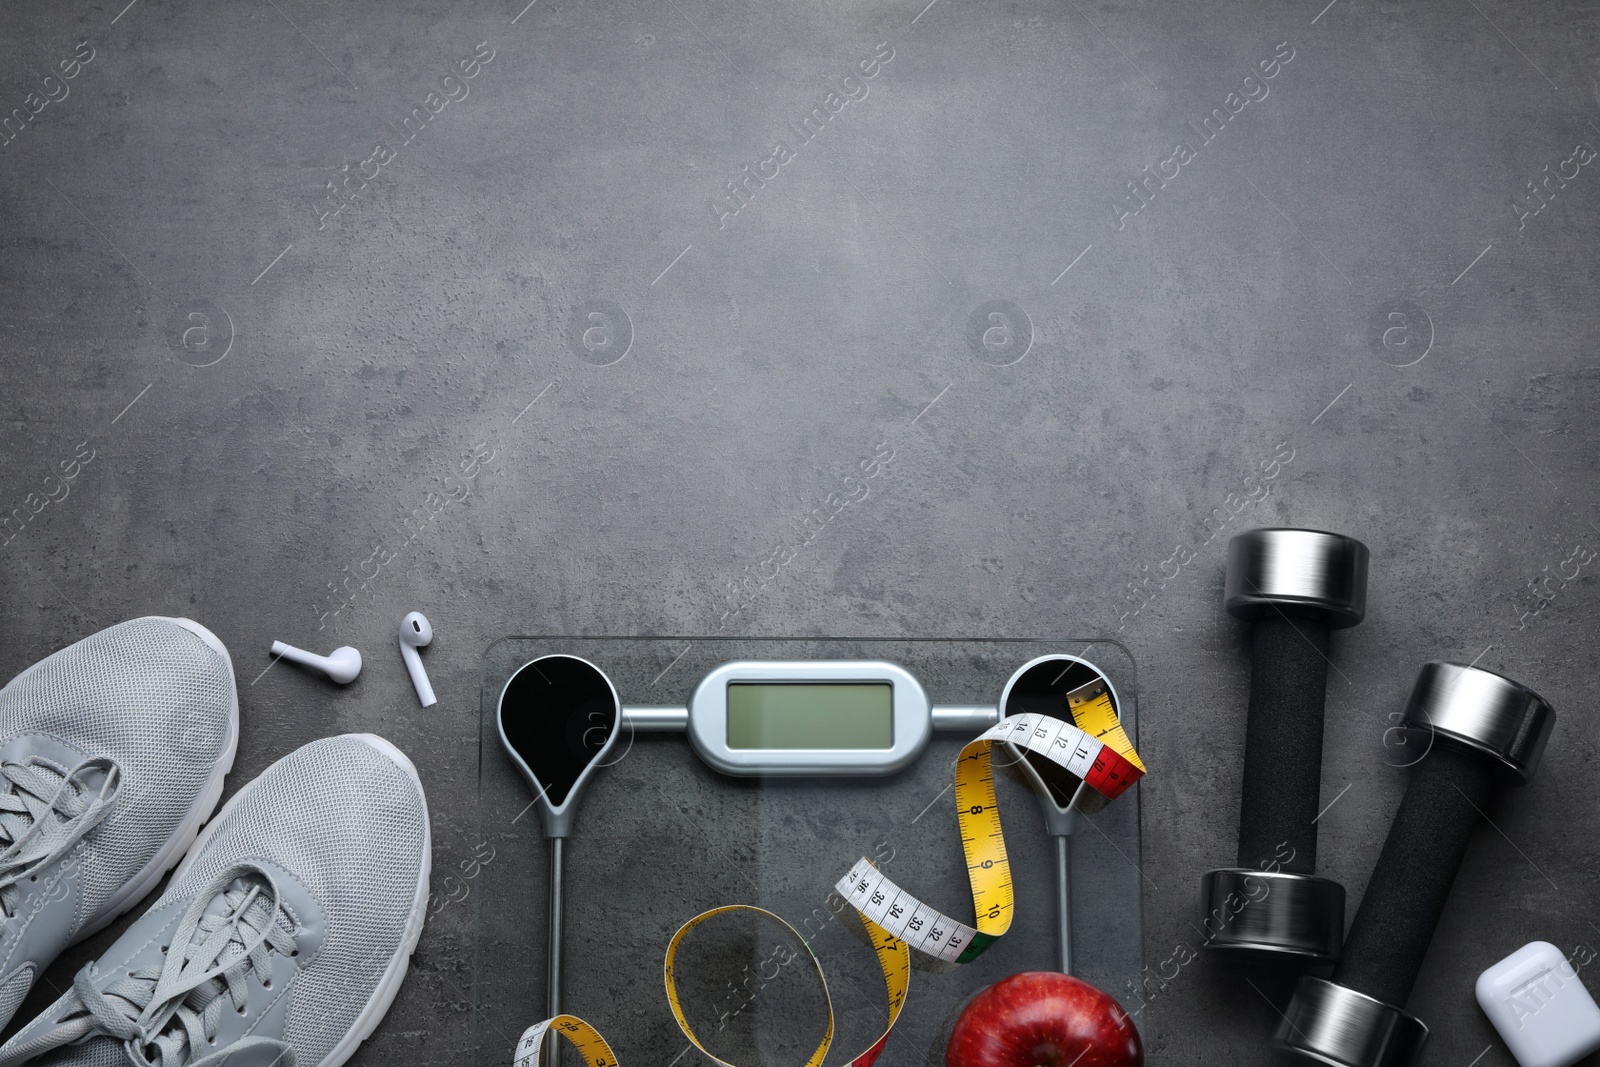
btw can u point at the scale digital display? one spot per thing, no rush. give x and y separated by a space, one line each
768 716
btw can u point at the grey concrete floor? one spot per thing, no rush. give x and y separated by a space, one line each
338 310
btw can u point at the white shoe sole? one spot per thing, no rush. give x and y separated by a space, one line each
205 802
394 974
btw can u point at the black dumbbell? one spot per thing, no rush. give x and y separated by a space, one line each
1296 586
1477 731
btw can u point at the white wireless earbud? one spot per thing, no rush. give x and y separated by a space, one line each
342 664
415 632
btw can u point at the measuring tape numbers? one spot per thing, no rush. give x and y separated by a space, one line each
1095 715
1107 763
585 1038
1093 748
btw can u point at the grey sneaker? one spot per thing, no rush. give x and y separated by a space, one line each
112 755
282 938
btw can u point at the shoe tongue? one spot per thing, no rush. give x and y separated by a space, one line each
247 932
13 824
82 782
218 907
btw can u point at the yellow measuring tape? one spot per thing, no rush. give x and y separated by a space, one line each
1071 746
1092 710
587 1040
894 959
1093 748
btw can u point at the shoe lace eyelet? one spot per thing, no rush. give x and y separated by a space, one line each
241 1009
266 984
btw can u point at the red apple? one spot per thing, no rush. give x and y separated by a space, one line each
1043 1019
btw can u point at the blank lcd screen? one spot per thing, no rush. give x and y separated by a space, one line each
802 715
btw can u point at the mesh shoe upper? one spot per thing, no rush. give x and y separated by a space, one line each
156 700
112 751
299 904
351 825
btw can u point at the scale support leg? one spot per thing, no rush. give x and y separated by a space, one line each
1064 901
550 1055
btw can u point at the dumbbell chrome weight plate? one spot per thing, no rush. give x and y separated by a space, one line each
1303 583
1273 569
1327 1023
1452 706
1482 710
1259 914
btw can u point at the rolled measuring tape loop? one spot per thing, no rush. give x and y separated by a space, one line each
585 1038
894 959
1107 763
1093 748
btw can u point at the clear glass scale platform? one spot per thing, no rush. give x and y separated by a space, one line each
661 837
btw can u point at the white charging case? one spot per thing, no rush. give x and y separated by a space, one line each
1539 1005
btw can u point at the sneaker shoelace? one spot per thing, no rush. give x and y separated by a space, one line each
45 810
168 1015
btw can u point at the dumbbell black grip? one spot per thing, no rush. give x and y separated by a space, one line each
1477 731
1293 587
1448 792
1283 742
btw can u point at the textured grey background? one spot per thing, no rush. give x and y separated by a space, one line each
1246 312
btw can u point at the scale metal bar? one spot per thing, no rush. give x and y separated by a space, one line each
1064 902
964 718
656 720
554 924
550 1054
